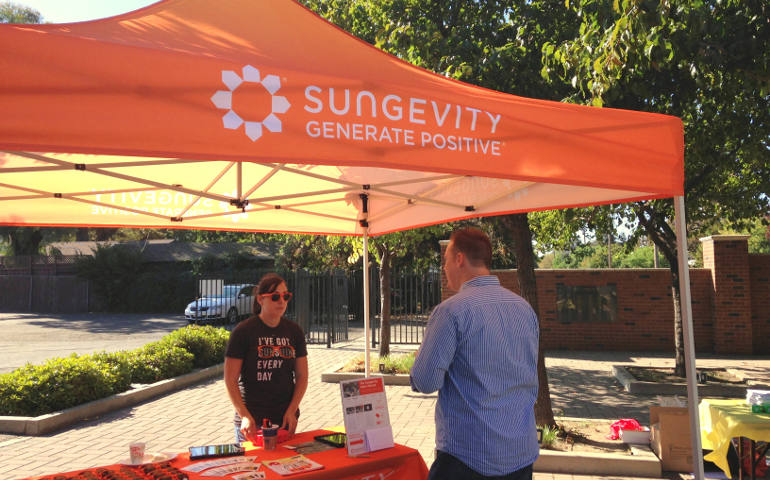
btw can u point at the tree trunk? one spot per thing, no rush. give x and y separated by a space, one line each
25 240
104 234
525 259
385 259
665 239
679 364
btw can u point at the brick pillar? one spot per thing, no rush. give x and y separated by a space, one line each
727 256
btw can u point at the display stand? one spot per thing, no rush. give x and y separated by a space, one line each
365 410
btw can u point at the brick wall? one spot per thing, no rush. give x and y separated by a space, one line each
730 304
645 311
759 275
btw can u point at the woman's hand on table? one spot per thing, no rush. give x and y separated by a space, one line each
249 428
290 421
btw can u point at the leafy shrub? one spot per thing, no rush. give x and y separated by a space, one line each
57 384
550 434
65 382
118 368
158 360
392 364
206 343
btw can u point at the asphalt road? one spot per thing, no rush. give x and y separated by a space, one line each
34 338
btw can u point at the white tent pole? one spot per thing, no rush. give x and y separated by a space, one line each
366 301
689 341
365 225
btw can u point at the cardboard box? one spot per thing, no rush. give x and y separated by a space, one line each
670 438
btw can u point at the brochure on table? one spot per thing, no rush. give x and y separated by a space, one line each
292 465
365 410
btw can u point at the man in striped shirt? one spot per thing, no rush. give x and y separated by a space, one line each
480 353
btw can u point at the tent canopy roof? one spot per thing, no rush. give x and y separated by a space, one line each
257 115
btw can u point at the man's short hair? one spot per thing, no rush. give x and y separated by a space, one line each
474 244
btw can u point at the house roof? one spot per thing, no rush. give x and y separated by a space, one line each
167 250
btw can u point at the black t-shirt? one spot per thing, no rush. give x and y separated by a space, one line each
269 356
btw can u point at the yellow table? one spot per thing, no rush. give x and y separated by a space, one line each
721 420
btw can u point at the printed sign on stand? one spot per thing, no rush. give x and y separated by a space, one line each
365 410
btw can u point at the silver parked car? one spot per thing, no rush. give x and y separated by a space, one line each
235 302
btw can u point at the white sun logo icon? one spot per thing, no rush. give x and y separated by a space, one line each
223 99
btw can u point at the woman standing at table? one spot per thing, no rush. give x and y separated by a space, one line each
266 363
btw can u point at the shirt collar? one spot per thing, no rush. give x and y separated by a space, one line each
481 281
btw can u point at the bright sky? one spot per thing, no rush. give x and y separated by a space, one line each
63 11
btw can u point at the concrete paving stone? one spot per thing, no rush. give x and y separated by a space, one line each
9 461
581 386
6 469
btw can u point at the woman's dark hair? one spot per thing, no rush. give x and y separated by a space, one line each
267 284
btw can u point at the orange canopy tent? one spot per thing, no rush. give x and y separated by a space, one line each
260 116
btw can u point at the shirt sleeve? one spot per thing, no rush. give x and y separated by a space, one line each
238 344
436 352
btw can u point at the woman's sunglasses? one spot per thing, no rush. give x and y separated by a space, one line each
277 296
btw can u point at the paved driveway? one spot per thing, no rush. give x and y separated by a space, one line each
34 338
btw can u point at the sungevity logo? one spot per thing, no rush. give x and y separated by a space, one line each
364 116
223 99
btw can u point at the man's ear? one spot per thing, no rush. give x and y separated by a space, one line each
460 259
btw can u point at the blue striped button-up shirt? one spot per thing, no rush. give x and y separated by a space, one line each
480 353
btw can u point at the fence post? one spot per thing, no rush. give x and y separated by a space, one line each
29 304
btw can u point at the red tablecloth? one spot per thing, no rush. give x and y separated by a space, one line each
399 462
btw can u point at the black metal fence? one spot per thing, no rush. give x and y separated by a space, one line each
320 303
412 298
328 306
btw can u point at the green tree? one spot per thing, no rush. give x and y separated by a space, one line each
314 253
22 240
13 13
112 271
642 257
757 229
491 44
704 61
759 237
599 258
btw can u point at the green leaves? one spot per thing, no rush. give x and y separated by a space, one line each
703 61
62 383
112 271
13 13
207 344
